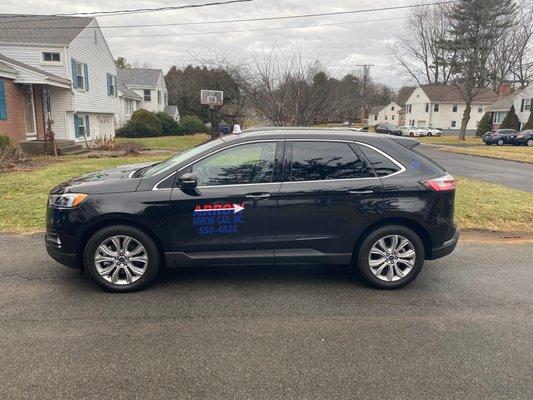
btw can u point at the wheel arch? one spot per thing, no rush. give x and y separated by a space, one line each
112 221
416 227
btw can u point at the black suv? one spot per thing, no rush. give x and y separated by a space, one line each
499 137
272 197
389 129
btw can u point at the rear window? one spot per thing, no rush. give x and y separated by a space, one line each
381 164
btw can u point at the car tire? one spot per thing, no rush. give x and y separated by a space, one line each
488 144
366 255
133 271
429 134
500 142
529 143
411 134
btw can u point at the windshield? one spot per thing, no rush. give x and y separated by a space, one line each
179 158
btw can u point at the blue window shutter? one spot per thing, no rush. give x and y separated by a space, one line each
86 76
76 127
108 84
3 101
87 126
115 85
73 66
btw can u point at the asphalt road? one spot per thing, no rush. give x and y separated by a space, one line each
461 330
512 174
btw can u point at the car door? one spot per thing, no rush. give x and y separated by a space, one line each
230 217
328 196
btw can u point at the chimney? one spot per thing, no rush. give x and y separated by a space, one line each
505 90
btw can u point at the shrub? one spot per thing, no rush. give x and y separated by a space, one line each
4 141
511 120
104 143
484 125
529 123
149 119
143 123
191 124
130 148
168 125
9 152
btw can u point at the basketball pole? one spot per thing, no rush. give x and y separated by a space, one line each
212 118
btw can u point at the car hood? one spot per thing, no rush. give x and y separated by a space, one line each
111 180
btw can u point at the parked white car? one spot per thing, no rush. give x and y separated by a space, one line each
413 131
430 131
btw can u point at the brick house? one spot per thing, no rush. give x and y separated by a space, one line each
65 75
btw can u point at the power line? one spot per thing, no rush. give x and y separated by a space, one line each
233 31
254 19
136 10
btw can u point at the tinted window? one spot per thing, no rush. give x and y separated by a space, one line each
248 163
381 164
313 161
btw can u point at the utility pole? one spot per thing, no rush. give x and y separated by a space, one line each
366 73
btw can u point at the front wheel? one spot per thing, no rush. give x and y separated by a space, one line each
529 143
500 142
121 259
390 257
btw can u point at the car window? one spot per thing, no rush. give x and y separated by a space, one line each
381 164
244 164
313 161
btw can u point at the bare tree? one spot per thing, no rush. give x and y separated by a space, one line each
417 52
521 66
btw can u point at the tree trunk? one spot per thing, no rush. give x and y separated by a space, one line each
464 121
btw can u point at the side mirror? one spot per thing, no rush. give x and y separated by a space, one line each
187 181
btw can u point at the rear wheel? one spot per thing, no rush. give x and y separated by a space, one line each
121 259
529 143
390 257
500 142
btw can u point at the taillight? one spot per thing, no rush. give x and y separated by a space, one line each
445 183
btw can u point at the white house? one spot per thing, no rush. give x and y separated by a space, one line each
522 100
389 113
442 106
129 102
66 75
150 85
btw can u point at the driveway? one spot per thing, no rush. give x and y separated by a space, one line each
462 330
512 174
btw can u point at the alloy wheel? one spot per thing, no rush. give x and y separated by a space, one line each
121 260
392 258
530 142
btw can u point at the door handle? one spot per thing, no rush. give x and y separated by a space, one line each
361 192
256 196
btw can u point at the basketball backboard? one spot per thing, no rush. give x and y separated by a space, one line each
212 98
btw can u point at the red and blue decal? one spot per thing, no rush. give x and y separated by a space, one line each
218 218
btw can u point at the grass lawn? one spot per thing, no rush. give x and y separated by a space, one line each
486 206
475 147
175 143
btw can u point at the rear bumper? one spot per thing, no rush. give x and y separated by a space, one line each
447 247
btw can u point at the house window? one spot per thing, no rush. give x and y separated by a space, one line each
392 117
480 109
80 75
51 57
81 125
498 117
375 117
408 108
454 108
3 101
386 117
129 107
427 107
158 97
454 124
436 107
111 85
166 99
527 104
147 95
392 108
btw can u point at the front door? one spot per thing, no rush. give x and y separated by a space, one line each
328 196
29 112
230 218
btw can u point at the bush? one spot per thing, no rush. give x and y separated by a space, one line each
191 124
131 148
9 152
149 119
511 120
4 141
484 125
529 123
143 123
168 125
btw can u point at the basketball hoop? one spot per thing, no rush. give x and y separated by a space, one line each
212 98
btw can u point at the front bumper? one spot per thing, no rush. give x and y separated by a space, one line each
447 247
57 253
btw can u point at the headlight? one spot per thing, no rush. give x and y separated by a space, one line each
67 200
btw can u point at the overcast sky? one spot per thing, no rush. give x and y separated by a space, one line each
338 47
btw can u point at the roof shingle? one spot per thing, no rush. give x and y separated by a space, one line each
138 76
452 94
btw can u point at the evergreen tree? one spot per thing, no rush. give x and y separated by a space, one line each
511 120
529 123
484 125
